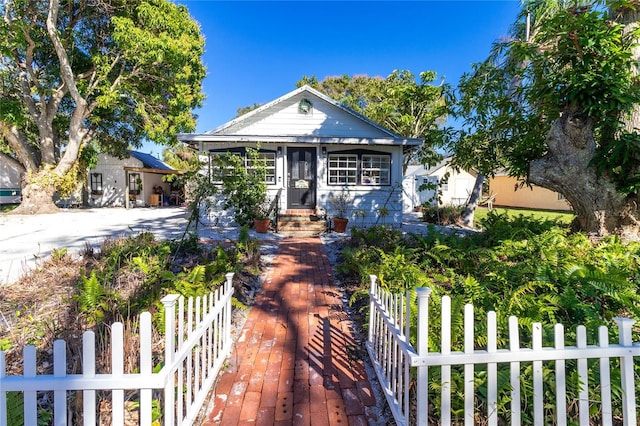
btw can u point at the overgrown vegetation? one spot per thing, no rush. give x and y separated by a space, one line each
572 281
451 215
125 277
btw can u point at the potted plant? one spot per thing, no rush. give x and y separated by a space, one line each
341 204
261 219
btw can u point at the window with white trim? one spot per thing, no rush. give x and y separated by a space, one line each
268 157
343 169
375 170
135 183
216 171
96 183
269 160
444 184
359 168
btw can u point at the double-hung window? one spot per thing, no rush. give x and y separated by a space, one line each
267 158
135 183
375 169
343 169
359 168
96 183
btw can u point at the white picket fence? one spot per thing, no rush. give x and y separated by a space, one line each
400 367
197 342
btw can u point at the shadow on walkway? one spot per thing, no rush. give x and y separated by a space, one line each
296 360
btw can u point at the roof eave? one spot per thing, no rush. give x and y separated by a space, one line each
205 137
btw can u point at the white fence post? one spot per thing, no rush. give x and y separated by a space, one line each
59 371
626 373
169 303
89 372
422 346
372 290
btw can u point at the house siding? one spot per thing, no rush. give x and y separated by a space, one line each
455 192
114 182
535 197
9 183
323 120
329 128
367 200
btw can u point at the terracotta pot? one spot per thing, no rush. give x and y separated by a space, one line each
261 225
340 224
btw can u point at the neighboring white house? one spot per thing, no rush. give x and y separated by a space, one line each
10 192
139 175
315 147
455 186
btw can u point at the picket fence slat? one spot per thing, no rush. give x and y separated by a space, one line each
561 378
193 357
3 394
388 342
492 370
88 373
605 379
59 371
117 370
30 396
445 394
538 407
146 366
514 372
469 418
583 374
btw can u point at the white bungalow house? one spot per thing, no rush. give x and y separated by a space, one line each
455 186
10 176
315 148
139 175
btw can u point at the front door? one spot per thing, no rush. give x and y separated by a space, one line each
301 178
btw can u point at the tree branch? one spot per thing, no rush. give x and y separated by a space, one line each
19 144
65 67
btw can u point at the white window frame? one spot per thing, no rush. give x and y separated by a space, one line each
271 166
343 169
96 183
372 170
270 158
354 168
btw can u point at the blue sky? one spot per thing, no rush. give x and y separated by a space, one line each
256 51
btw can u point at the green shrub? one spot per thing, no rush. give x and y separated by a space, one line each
520 266
442 215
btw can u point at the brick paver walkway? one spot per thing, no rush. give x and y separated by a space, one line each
296 361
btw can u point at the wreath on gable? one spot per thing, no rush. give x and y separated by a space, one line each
305 106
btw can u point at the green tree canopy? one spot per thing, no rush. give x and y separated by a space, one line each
398 102
115 73
557 109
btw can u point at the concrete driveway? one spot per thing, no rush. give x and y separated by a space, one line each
25 239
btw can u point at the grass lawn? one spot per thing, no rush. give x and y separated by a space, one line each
563 217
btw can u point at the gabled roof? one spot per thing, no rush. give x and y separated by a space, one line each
301 90
280 121
419 170
149 161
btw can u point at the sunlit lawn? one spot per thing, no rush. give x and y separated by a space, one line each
561 216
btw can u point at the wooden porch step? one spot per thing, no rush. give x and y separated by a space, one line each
299 212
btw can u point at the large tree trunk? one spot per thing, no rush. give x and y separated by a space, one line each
37 194
469 213
600 208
